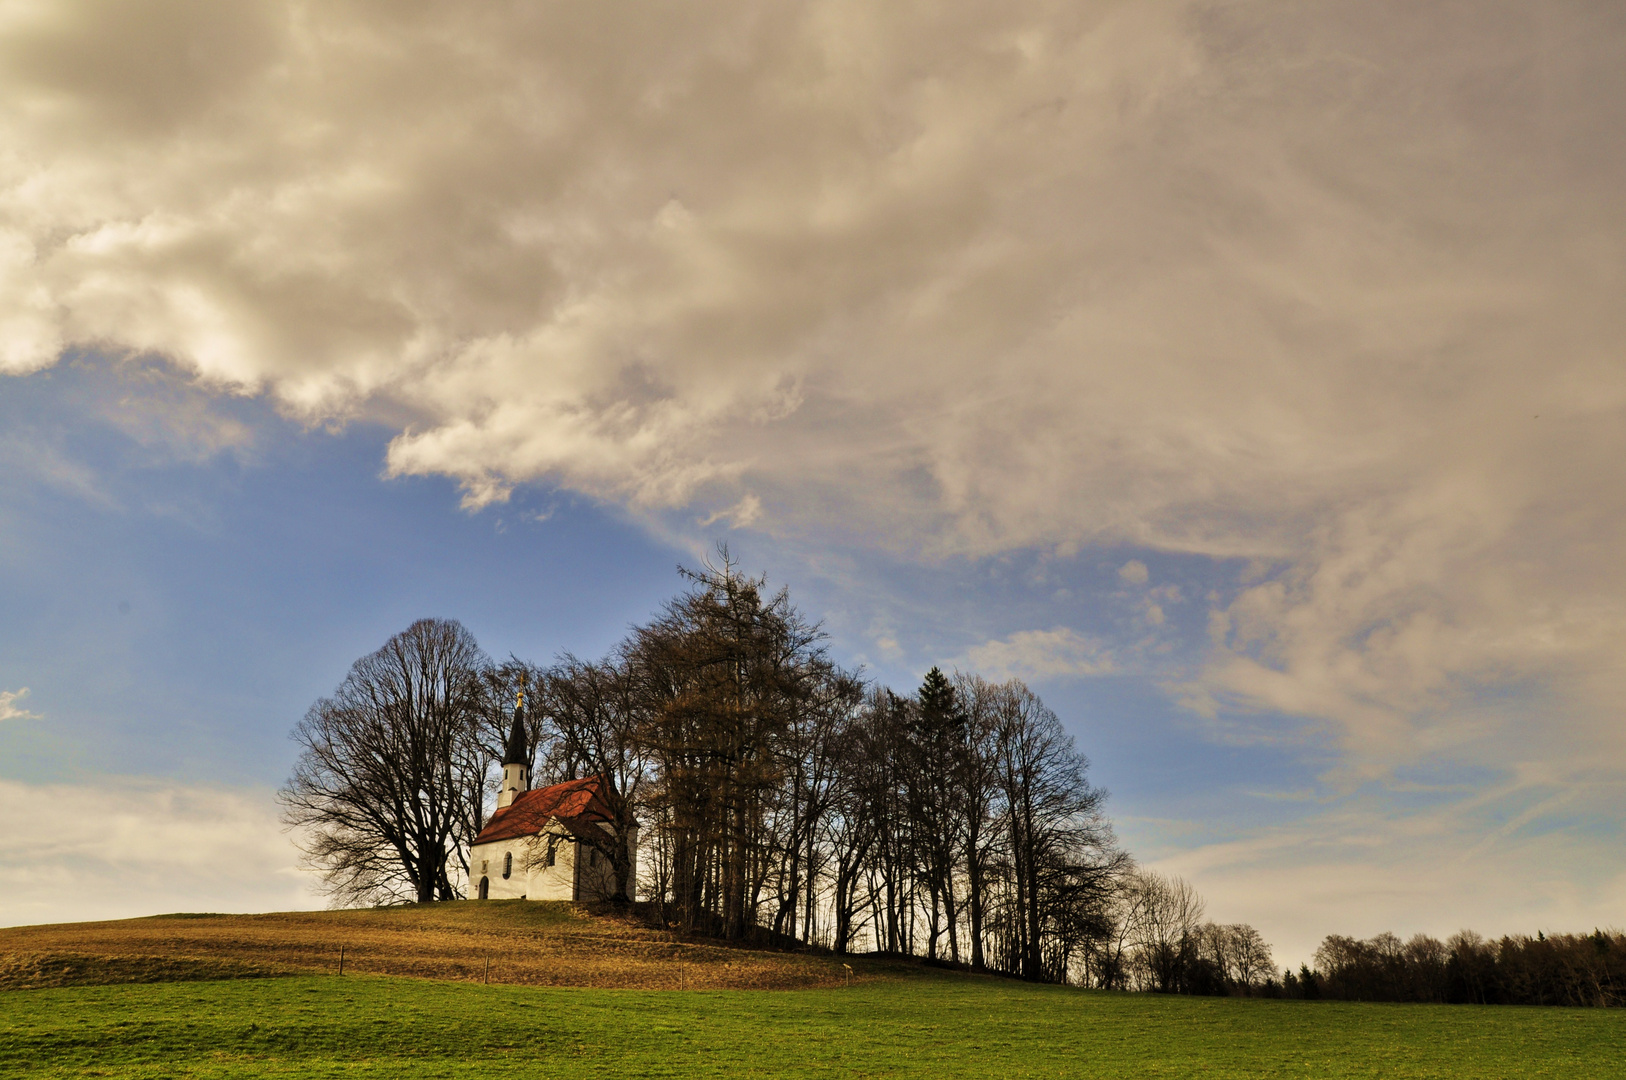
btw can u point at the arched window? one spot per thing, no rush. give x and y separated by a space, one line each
485 888
508 864
553 850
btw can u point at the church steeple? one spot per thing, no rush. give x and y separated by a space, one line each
516 759
514 753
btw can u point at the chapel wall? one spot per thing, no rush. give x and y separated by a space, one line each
527 881
486 860
532 879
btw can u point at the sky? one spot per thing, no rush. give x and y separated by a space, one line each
1246 376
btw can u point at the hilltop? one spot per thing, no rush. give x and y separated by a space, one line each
526 942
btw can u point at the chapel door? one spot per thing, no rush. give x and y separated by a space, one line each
485 888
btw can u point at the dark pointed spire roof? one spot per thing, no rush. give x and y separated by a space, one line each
515 752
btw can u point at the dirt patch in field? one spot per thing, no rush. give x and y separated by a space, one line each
501 941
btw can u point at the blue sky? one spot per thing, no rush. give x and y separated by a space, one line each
1246 377
180 606
185 610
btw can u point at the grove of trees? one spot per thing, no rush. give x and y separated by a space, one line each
777 793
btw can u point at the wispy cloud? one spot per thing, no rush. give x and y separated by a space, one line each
1059 653
739 516
11 710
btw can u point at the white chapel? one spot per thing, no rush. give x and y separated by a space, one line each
537 846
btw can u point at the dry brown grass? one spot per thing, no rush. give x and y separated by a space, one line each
536 943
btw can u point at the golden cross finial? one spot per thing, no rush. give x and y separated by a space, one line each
520 704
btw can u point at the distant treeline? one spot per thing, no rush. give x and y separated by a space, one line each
1561 969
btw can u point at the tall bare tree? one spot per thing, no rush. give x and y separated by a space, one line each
724 673
1167 913
889 876
1230 959
978 774
1062 854
595 723
856 823
386 790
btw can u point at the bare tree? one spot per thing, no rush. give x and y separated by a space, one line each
723 674
1229 959
1167 912
1113 961
889 880
856 823
978 774
1250 960
593 718
810 752
387 788
1063 859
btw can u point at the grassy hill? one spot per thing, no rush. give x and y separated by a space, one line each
932 1026
574 994
537 944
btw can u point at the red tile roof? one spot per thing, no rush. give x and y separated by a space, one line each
574 802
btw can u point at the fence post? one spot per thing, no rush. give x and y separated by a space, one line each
341 959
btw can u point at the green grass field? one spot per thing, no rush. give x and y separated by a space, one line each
929 1026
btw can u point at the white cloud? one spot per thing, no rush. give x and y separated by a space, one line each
1040 654
10 710
124 848
1326 287
741 514
1134 571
